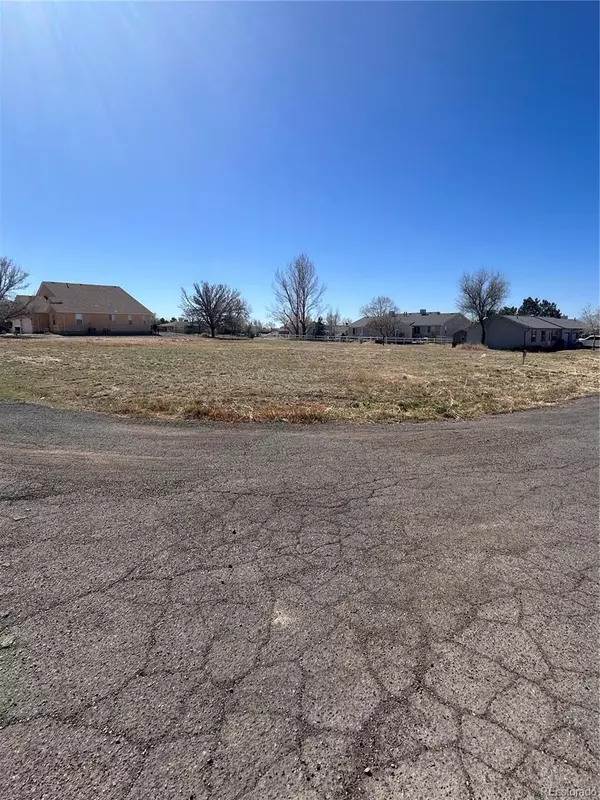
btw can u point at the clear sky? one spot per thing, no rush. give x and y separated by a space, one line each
155 144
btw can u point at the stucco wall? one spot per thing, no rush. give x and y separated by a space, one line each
32 323
61 322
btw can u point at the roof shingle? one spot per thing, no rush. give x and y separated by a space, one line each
90 298
544 322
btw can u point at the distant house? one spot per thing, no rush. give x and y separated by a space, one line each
504 332
81 308
337 331
178 326
415 325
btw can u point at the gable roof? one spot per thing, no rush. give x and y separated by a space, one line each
544 322
363 322
31 304
90 298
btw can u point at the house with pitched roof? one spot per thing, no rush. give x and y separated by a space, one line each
81 308
508 331
415 325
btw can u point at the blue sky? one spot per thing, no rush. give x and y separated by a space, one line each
398 144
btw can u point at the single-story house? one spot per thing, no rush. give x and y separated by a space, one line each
81 308
504 332
337 332
415 325
178 326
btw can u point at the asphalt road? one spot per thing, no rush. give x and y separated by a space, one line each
278 612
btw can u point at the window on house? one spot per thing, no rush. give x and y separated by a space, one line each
533 335
417 330
54 320
542 336
143 320
79 319
130 320
112 317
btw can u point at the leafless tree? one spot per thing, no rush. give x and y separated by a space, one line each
13 309
237 319
211 304
383 313
298 295
481 294
332 320
257 327
12 278
590 317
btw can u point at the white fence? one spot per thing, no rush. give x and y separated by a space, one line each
362 339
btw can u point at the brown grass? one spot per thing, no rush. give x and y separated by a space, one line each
260 380
481 348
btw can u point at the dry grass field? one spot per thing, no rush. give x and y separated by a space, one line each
238 381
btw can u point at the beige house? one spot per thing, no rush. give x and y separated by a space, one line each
81 308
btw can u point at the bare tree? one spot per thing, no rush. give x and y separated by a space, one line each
211 304
13 309
237 319
481 295
12 278
332 321
256 327
298 295
590 317
383 313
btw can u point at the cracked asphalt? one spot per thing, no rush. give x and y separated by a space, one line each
289 612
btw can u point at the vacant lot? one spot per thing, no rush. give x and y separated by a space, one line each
294 381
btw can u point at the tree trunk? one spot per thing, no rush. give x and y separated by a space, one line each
482 332
212 331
